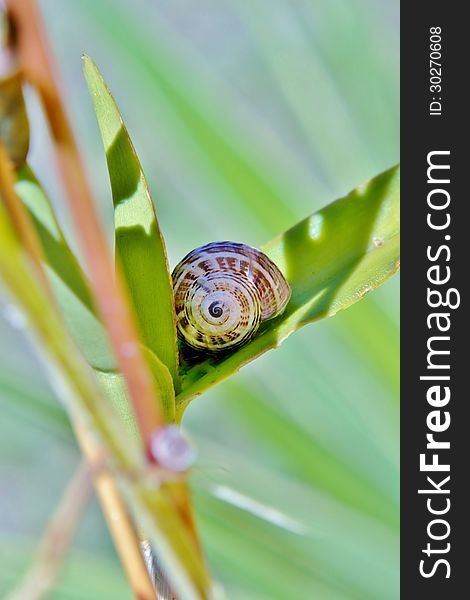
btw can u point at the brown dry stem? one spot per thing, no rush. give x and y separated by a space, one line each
119 522
36 62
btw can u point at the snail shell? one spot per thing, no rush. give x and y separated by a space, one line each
223 291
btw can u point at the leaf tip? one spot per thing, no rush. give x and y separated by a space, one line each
89 67
86 60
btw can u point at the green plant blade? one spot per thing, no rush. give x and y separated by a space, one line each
114 387
331 260
66 276
140 248
164 389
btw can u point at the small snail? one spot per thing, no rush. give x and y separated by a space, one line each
223 291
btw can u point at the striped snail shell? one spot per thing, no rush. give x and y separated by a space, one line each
223 291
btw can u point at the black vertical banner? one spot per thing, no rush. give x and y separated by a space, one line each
435 197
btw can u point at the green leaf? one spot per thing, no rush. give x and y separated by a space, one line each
114 387
331 260
69 283
164 389
140 248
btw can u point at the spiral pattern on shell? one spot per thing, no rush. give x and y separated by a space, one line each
223 291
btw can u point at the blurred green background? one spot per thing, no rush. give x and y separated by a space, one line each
247 116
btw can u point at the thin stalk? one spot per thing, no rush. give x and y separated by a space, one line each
115 511
119 522
20 218
146 492
36 62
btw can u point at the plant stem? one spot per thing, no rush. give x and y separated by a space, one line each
152 497
119 522
122 529
112 299
35 60
20 218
